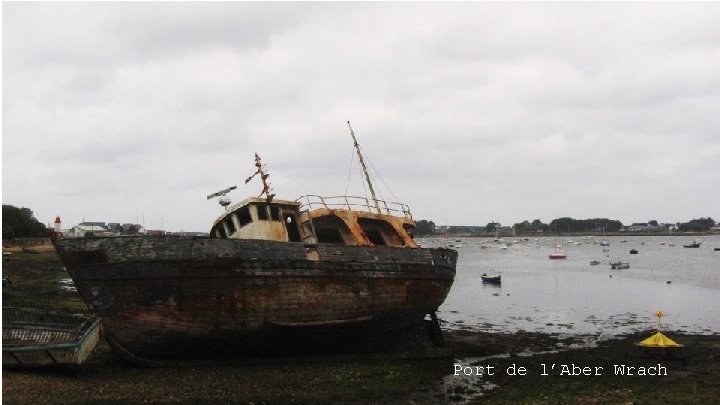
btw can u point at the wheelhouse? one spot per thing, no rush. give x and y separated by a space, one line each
256 218
349 221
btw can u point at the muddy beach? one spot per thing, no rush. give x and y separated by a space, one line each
474 367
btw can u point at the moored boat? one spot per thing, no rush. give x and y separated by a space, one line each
558 254
38 338
269 269
694 244
491 278
619 265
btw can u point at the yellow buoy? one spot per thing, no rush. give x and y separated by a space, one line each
658 339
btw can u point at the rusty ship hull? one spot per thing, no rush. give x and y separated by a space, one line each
168 295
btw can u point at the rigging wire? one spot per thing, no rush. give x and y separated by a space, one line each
352 159
383 181
369 176
362 179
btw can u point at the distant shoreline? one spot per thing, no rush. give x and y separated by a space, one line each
573 234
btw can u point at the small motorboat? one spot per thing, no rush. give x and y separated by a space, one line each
694 244
594 262
491 279
619 265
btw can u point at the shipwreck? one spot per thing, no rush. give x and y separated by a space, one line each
314 266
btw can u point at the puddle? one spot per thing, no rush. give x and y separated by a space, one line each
67 284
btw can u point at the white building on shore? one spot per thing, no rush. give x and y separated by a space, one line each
101 229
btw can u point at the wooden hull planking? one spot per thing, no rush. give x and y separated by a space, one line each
158 293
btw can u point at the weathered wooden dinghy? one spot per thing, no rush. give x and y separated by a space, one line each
35 338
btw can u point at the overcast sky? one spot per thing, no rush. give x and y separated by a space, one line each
469 112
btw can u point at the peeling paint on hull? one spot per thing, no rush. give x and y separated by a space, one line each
163 293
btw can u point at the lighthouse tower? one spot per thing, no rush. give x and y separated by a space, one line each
57 229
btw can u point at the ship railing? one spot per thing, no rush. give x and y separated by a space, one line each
312 202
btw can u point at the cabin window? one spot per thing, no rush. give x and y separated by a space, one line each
380 232
330 229
230 225
329 235
411 230
275 213
262 212
292 228
244 216
375 237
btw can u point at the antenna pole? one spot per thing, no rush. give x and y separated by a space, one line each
362 163
267 190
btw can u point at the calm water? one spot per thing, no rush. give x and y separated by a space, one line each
572 297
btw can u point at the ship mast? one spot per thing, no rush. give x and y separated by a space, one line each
267 189
362 163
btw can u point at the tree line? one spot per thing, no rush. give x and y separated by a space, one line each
697 225
564 225
21 223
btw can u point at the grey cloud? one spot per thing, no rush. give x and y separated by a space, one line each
470 111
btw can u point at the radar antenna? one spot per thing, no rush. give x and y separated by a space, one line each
224 201
267 189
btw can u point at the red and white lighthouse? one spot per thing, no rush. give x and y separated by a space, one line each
58 224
